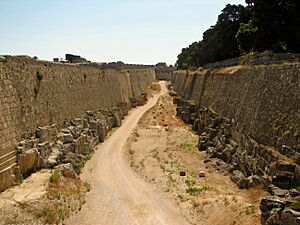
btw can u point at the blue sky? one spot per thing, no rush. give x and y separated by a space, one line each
133 31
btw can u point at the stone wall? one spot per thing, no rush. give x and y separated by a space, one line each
262 58
249 118
263 100
164 73
38 94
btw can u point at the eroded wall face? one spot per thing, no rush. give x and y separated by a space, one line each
264 100
35 93
249 118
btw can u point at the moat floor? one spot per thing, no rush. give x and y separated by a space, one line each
119 195
148 172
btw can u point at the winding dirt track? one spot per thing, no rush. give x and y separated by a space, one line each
118 196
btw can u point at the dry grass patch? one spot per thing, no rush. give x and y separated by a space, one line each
64 196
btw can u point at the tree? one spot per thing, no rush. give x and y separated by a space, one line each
218 42
278 22
246 37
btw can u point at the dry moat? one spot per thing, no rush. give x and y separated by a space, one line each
213 146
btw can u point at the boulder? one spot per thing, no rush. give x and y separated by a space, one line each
67 170
54 157
65 137
270 206
182 173
273 190
202 174
28 161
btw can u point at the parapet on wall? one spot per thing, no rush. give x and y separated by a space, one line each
36 93
263 100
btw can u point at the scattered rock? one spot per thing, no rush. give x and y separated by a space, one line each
2 58
182 173
28 161
67 170
275 211
207 160
294 193
65 137
202 174
54 157
273 190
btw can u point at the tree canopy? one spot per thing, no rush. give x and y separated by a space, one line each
262 25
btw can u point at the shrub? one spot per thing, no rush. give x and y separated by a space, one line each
55 176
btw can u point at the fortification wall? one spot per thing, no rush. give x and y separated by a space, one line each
263 100
164 73
36 94
249 118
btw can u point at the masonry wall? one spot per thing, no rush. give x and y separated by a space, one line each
37 93
263 100
164 73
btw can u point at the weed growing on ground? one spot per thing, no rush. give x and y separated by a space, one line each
131 152
88 156
226 201
194 203
193 191
55 176
187 146
20 179
180 197
63 197
190 183
250 209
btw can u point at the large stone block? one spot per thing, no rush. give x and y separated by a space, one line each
28 161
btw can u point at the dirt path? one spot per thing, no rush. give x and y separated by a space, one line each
118 195
162 146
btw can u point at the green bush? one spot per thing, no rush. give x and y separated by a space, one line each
55 176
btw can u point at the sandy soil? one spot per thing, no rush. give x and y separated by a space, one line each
162 146
119 195
30 191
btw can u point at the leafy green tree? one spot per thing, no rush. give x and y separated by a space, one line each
278 25
262 25
218 42
246 37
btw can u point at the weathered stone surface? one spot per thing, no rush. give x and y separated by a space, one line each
273 190
44 149
243 119
47 133
65 137
275 211
35 94
182 173
67 170
254 97
54 157
202 174
7 178
28 161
